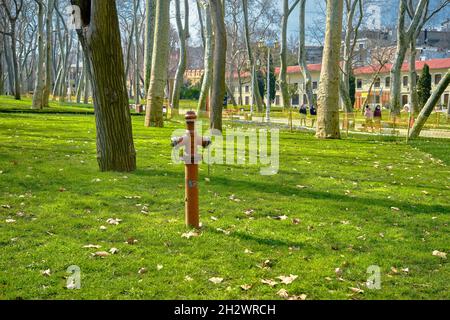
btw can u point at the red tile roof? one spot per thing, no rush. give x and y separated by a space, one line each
297 69
433 64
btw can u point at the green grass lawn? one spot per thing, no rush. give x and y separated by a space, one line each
341 192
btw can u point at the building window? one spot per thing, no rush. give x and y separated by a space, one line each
314 85
405 100
388 82
247 89
277 100
405 81
247 101
359 84
377 83
437 79
377 99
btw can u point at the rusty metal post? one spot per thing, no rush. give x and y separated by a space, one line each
191 159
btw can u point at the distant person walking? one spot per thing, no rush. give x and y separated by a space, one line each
303 113
368 114
377 116
313 113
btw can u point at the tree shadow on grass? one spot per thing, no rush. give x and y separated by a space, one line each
321 195
259 240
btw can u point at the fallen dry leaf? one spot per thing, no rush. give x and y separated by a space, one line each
92 246
296 221
190 234
283 293
188 278
100 254
46 273
159 267
269 282
249 212
131 241
356 290
142 270
216 280
114 221
113 250
440 254
246 287
10 221
247 251
266 264
395 209
226 232
287 279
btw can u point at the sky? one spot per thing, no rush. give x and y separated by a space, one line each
389 9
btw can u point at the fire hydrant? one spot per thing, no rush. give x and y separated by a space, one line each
191 159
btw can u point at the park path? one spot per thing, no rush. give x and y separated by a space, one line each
443 134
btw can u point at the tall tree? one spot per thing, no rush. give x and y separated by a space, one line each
328 94
137 78
208 54
149 33
256 93
48 52
287 10
429 106
183 35
2 77
38 102
419 14
220 50
13 8
160 56
351 36
302 54
100 39
423 88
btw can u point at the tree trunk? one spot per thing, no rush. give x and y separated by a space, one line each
328 97
81 85
302 54
415 109
220 49
351 36
256 94
38 102
429 106
285 98
208 60
100 39
404 38
160 56
17 95
149 32
183 35
87 86
9 65
48 53
137 93
2 77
